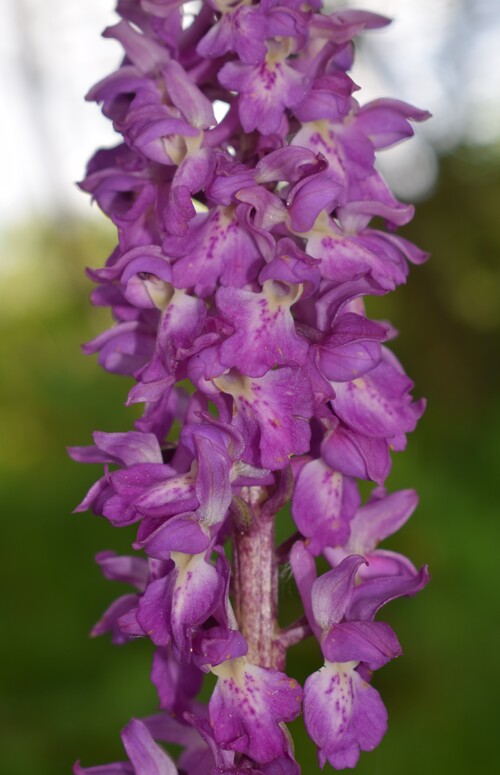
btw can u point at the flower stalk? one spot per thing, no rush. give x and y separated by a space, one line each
255 579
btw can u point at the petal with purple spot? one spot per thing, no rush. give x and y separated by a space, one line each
343 714
249 705
323 503
265 334
273 411
217 246
265 91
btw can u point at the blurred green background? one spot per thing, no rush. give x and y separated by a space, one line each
64 696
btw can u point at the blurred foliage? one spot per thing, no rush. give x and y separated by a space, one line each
64 696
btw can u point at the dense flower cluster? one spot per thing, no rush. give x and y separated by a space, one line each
243 194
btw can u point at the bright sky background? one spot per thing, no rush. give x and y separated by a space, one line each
440 54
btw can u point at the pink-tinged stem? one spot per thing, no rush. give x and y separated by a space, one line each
255 576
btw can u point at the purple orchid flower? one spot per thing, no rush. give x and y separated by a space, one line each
343 713
243 192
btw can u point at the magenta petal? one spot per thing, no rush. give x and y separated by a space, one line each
185 95
181 731
199 757
146 54
274 411
372 642
332 592
349 361
177 684
343 714
196 593
408 249
268 212
312 195
382 516
109 621
347 255
217 246
194 173
383 562
342 26
126 265
182 533
370 196
123 349
155 490
119 510
218 644
130 448
378 404
322 504
289 164
223 437
155 608
90 454
154 393
213 486
352 348
173 607
155 130
328 98
247 707
304 572
293 266
241 30
265 334
181 323
375 593
357 455
265 90
146 756
282 766
386 121
131 570
96 497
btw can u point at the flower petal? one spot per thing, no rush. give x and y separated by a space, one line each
372 642
332 592
146 756
272 411
343 714
248 706
375 593
382 516
323 503
265 334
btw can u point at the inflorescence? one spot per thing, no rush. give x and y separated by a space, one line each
243 193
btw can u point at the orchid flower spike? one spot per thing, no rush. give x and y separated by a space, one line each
243 191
